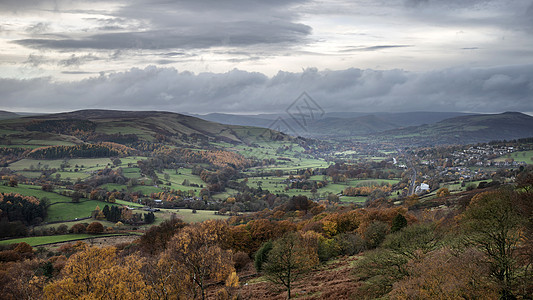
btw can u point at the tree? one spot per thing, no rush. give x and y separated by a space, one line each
197 248
446 274
398 223
97 273
149 218
288 260
375 233
443 192
524 180
496 228
261 255
95 228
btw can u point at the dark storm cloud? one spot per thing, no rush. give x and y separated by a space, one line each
185 25
458 89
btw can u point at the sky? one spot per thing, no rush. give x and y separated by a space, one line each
258 56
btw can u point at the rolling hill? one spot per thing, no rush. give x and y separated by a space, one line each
465 130
8 115
335 124
147 126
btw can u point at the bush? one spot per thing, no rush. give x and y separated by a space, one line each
398 223
376 233
9 255
23 248
349 243
78 228
62 229
241 260
95 228
261 255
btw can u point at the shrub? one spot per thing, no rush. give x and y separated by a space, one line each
95 228
261 255
78 228
62 229
241 260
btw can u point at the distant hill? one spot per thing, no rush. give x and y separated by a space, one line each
4 115
336 124
466 129
146 125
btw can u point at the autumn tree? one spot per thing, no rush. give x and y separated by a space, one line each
443 192
198 249
288 260
497 229
97 273
381 268
446 274
95 228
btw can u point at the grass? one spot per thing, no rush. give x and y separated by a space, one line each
34 191
187 216
43 240
275 185
349 199
526 156
71 211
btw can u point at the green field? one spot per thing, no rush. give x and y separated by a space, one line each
61 207
348 199
34 191
187 216
526 156
43 240
71 211
275 185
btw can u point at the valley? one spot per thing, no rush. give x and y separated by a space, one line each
87 177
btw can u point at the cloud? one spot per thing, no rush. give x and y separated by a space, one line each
152 88
213 35
75 60
150 24
374 48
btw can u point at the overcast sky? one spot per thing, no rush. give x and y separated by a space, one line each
255 56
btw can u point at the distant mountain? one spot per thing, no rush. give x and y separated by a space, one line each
466 130
243 120
146 125
345 127
334 124
4 115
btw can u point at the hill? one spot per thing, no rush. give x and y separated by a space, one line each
466 130
112 125
8 115
336 124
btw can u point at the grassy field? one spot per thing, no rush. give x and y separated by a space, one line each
526 156
187 216
275 185
456 187
70 211
348 199
43 240
35 191
61 207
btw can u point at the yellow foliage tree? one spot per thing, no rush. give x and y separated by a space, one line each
95 273
197 250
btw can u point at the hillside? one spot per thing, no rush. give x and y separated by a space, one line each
7 115
144 125
336 124
465 130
